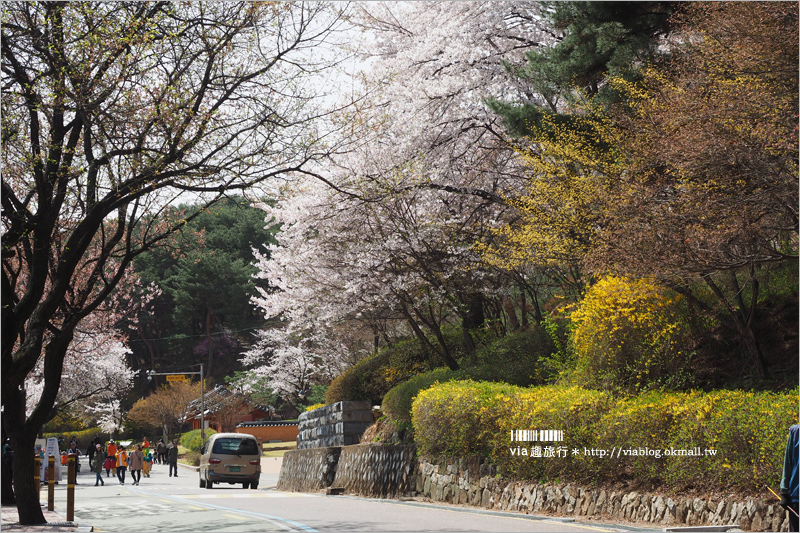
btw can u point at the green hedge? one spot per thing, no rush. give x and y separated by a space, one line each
373 377
192 441
397 402
745 433
513 359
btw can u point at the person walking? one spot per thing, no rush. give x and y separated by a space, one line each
172 458
98 460
111 450
145 445
73 450
122 464
92 447
161 452
148 463
789 478
110 464
90 452
136 462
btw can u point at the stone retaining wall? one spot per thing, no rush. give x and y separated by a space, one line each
376 470
308 470
338 424
382 471
471 481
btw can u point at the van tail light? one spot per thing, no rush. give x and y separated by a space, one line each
255 461
215 461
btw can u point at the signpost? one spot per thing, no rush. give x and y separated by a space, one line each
172 376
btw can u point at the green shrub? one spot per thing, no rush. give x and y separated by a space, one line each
192 441
192 458
515 358
373 377
397 402
65 421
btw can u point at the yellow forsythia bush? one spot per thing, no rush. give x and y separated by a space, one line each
573 410
747 429
459 417
628 335
717 440
640 423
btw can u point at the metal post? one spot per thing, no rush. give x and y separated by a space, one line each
51 482
202 408
71 487
37 473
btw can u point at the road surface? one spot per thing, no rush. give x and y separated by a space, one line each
172 504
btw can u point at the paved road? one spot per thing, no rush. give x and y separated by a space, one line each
173 504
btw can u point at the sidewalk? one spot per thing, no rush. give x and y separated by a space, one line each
56 522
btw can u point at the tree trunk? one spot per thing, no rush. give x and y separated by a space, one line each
26 487
443 350
474 316
23 439
513 323
523 306
7 489
743 329
143 337
537 309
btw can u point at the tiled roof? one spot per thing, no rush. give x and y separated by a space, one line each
267 423
218 397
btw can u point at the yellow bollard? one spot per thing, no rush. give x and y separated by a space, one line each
37 473
51 482
71 487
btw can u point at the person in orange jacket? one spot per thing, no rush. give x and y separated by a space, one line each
122 464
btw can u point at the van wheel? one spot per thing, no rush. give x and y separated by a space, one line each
209 484
245 485
254 485
202 483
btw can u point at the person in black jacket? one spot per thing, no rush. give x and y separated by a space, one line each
6 476
172 458
161 452
90 451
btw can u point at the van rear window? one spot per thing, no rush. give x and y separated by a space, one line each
234 446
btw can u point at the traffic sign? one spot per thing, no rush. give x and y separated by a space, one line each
176 377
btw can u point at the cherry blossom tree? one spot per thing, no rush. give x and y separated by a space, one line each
109 415
96 371
390 248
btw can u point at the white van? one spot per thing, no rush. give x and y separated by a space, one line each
230 458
